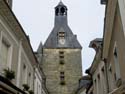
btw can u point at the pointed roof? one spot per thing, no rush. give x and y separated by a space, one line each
39 50
61 25
70 39
60 4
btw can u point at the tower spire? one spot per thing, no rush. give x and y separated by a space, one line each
60 13
63 56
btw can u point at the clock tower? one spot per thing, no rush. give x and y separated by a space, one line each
62 62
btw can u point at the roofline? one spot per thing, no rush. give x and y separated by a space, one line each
25 35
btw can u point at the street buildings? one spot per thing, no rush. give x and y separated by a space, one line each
108 66
19 67
55 68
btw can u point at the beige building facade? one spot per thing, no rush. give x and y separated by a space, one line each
107 69
97 70
17 56
113 45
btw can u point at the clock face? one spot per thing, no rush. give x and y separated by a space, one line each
62 41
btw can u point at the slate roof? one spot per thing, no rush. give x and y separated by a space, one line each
39 50
70 39
60 4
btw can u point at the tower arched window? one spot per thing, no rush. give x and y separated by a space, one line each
63 11
57 11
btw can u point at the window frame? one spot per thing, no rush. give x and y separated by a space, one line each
4 39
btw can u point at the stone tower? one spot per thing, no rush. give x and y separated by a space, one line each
62 56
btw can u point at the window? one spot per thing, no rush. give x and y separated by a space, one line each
61 35
61 38
62 73
117 68
63 11
4 55
103 80
29 79
61 53
62 62
4 52
62 78
57 11
61 57
24 73
111 78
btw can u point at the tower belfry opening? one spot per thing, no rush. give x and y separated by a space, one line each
61 9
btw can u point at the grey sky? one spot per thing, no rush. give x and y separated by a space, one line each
85 18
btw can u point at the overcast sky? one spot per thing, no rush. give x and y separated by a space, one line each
85 18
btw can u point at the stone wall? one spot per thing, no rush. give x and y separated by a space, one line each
72 70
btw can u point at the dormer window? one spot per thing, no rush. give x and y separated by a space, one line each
61 37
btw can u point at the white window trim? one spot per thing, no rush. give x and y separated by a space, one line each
6 40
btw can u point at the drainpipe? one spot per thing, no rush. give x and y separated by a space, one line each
106 72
